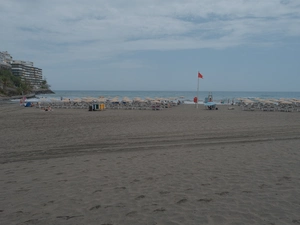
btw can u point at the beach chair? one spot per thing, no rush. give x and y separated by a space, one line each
156 106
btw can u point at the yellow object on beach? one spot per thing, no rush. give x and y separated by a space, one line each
102 106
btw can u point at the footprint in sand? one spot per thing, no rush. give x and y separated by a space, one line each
95 207
11 182
167 174
9 172
62 181
120 188
263 186
22 190
97 191
205 200
33 221
131 213
140 197
134 181
284 179
159 210
67 217
182 201
50 202
120 205
223 193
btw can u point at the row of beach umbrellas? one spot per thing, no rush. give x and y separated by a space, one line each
269 101
104 99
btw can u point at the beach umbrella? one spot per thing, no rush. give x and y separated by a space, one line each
77 100
267 101
89 99
115 99
285 102
155 101
65 100
159 99
137 99
102 99
126 99
149 99
248 101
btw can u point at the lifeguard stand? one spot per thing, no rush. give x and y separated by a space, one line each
210 97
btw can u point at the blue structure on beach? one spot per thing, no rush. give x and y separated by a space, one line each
208 102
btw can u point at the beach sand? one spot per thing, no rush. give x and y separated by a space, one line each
174 166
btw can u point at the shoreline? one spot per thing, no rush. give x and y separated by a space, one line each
28 96
8 98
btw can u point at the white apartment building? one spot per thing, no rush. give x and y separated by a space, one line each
5 60
27 72
23 69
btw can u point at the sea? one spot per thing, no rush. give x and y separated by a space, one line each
184 96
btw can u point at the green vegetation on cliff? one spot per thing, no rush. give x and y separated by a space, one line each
12 85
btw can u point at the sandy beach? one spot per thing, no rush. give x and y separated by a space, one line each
173 166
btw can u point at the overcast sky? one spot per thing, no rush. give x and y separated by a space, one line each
251 45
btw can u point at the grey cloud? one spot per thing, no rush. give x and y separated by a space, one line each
108 28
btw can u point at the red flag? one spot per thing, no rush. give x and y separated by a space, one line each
200 75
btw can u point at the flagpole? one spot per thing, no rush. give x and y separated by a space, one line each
198 91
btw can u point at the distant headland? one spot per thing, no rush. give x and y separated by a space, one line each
20 78
12 87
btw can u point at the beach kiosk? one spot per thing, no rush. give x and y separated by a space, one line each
98 107
95 107
102 106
